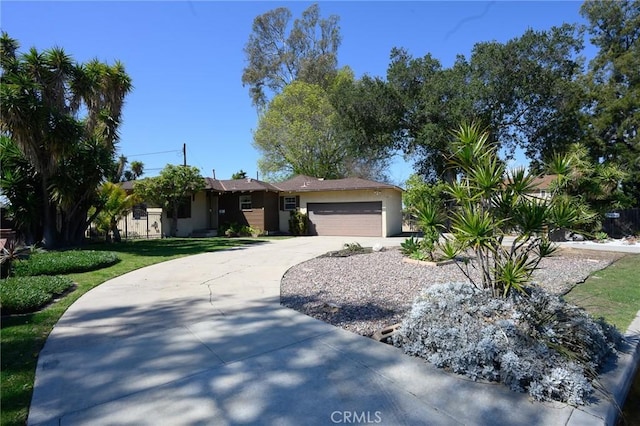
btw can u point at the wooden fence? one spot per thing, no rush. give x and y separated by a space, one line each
621 223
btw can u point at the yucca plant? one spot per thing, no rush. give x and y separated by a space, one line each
491 203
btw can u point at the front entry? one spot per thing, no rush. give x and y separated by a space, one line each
212 205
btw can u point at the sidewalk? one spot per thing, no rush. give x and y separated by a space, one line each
203 340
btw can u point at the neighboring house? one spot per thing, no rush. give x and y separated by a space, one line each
345 207
542 187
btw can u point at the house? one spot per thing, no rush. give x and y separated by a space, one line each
249 202
346 207
542 187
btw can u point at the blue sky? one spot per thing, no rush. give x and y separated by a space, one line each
186 59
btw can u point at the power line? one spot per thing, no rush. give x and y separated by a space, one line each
154 153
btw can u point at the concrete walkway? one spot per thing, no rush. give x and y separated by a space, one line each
202 340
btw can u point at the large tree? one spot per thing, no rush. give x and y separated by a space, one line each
367 113
63 117
527 90
279 53
434 100
613 80
296 135
524 91
305 130
174 185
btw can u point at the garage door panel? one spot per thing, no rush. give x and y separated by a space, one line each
362 219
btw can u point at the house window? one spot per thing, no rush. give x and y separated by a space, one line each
290 203
184 209
245 202
140 211
543 193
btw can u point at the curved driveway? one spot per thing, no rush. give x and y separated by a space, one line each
203 340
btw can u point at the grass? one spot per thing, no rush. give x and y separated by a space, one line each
23 336
614 294
611 293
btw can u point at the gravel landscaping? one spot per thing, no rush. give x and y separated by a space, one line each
366 292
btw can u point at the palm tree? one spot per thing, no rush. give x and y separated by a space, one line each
116 204
42 96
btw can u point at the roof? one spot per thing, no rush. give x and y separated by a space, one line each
239 185
299 183
543 182
302 183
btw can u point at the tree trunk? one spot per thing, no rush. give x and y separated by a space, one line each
49 229
116 232
174 220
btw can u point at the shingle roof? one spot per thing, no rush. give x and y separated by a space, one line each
302 183
234 185
543 182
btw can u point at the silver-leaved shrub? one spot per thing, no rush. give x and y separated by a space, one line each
532 342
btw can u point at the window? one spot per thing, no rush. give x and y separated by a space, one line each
245 202
290 203
184 209
139 211
543 193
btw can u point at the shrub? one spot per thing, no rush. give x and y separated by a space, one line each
601 237
533 342
27 294
11 253
63 262
349 249
298 223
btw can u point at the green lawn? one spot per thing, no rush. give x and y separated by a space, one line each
612 293
22 337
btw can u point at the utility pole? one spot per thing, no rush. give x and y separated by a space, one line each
184 154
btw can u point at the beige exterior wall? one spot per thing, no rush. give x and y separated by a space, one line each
391 205
198 219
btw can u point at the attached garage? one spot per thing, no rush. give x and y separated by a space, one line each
359 219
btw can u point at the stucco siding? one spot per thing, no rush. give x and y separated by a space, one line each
391 205
197 221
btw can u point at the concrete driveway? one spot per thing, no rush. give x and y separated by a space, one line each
203 340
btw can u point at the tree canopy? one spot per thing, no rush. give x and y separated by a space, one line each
613 82
239 175
174 185
302 132
295 135
279 53
63 119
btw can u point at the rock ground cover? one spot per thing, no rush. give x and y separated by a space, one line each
366 292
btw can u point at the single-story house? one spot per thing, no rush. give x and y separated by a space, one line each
542 186
344 207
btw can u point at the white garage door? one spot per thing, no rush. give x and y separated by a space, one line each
348 219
